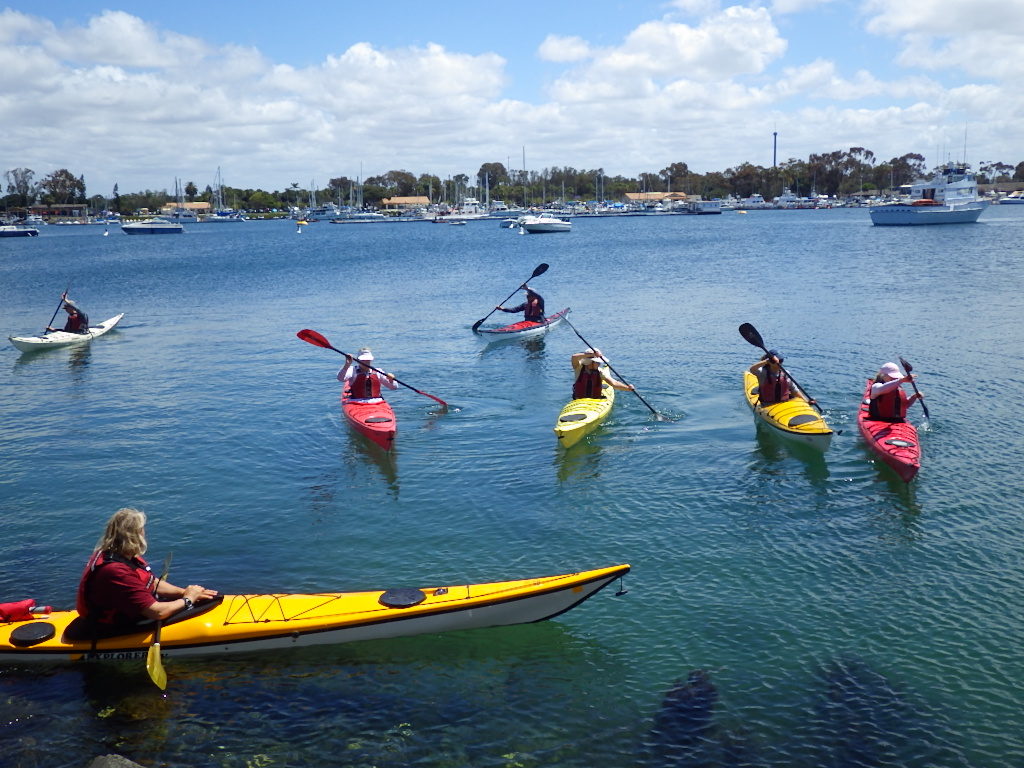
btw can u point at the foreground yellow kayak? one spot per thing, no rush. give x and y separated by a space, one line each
796 418
582 416
243 623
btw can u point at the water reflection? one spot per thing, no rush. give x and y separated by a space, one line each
77 360
774 451
580 462
533 345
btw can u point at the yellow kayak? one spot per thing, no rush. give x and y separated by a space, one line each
244 623
795 419
582 416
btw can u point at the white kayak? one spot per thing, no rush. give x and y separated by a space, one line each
63 338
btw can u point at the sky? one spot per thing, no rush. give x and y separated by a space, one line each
141 94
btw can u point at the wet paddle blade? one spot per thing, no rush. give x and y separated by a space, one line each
314 338
749 332
155 666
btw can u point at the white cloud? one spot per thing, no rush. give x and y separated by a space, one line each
562 49
978 37
118 99
796 6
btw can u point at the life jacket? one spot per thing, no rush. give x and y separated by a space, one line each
588 384
888 406
364 385
773 388
77 323
534 310
97 561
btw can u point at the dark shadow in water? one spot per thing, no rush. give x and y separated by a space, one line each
860 720
773 450
901 492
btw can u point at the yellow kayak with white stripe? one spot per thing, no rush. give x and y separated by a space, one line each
795 419
582 416
244 623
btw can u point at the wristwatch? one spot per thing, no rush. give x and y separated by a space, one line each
188 603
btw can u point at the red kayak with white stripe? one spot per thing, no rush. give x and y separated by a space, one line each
525 328
895 443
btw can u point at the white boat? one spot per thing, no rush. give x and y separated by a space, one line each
221 214
949 197
63 338
154 226
753 203
1014 198
18 230
544 223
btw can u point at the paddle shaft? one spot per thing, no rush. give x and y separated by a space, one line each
61 304
753 337
621 377
540 270
319 341
909 369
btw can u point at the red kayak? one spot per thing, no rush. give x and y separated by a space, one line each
375 420
526 328
896 444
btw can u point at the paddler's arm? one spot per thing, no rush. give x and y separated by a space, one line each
175 598
616 384
345 368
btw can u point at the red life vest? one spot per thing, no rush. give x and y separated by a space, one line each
77 323
889 406
773 388
534 309
364 385
97 561
588 384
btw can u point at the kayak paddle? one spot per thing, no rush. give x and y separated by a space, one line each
318 340
61 304
907 367
540 270
154 664
749 332
657 416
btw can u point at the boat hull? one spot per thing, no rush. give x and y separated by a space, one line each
375 421
245 623
899 215
795 419
582 416
16 230
525 328
62 338
895 444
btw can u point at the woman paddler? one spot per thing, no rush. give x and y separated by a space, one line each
362 382
887 400
590 375
532 308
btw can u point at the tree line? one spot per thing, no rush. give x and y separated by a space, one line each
836 174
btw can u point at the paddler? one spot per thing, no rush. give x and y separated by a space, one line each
773 385
78 321
118 588
363 382
589 375
888 401
532 308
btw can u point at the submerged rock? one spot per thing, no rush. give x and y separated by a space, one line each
679 736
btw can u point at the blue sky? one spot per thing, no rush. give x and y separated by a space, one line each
141 93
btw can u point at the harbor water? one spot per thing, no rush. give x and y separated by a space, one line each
833 614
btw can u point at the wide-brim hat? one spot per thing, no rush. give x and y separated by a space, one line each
891 370
365 355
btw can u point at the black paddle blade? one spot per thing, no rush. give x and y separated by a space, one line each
540 270
906 366
749 332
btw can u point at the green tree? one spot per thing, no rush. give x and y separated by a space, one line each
190 191
62 187
117 199
19 183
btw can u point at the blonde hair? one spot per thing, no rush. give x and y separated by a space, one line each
124 534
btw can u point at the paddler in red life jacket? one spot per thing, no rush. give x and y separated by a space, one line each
362 382
118 589
589 375
78 321
532 308
773 385
887 400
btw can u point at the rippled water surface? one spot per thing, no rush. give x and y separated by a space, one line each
840 617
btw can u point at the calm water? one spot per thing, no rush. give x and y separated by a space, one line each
843 617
